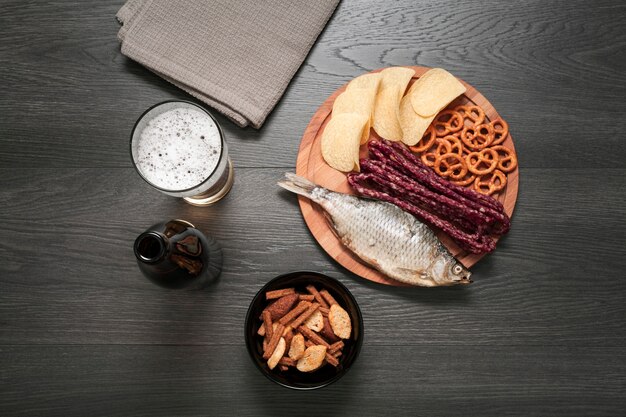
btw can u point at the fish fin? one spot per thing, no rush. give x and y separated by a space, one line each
426 280
333 227
371 261
409 271
296 184
421 278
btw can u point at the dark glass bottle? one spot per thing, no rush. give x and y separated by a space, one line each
175 254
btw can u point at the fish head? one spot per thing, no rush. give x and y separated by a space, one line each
446 270
458 273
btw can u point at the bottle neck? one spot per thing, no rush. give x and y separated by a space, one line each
150 247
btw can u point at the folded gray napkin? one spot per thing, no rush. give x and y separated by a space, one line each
237 56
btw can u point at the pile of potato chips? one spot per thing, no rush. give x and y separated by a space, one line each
377 100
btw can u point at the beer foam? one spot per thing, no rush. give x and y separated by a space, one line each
178 149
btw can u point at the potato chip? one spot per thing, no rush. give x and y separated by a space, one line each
367 81
366 132
433 91
396 76
413 125
386 108
357 100
386 114
362 91
340 141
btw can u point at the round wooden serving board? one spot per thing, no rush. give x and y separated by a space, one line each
311 165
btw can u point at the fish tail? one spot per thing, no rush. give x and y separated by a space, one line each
296 184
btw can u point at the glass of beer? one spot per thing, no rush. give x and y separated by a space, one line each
178 148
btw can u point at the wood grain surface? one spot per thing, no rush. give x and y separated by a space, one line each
540 332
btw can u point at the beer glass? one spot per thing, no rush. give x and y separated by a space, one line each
178 148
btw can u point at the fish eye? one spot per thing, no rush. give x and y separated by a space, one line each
457 269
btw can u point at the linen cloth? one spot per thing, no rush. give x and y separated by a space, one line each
237 56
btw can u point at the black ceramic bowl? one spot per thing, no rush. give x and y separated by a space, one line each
293 378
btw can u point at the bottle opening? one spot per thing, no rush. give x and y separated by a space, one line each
149 247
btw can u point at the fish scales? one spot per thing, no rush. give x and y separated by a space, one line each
384 236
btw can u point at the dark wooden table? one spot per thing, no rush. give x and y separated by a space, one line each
540 332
